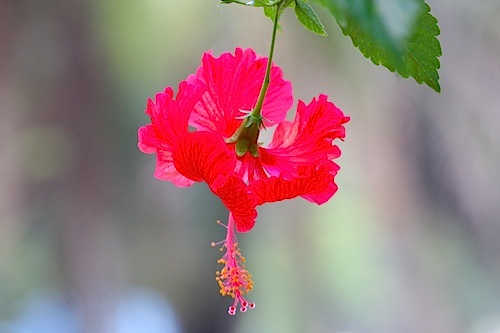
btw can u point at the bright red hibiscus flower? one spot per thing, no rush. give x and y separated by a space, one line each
223 149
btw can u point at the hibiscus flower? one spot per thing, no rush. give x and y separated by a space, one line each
222 147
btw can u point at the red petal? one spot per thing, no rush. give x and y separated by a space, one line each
203 156
148 140
314 128
307 141
169 124
170 116
233 84
149 143
313 183
236 196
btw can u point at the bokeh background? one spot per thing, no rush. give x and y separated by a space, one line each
90 242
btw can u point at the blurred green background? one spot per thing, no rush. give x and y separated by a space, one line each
90 242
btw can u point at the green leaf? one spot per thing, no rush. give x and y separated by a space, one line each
422 51
306 15
232 1
270 11
388 22
252 3
400 37
285 3
261 3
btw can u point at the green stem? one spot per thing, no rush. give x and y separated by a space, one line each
267 78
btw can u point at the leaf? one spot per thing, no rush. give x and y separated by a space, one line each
422 51
306 15
270 11
232 1
261 3
406 44
252 3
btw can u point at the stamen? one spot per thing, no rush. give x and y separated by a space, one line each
233 279
214 244
221 242
221 224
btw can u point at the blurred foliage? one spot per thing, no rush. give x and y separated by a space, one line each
408 244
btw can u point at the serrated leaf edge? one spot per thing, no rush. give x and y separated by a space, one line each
300 5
